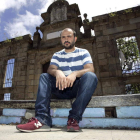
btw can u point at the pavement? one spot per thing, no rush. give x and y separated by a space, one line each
9 132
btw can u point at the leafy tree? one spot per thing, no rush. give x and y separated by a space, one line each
129 48
131 52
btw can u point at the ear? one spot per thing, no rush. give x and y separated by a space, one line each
75 39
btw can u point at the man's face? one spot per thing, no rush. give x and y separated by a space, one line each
67 39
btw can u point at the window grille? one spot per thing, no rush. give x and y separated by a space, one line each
9 73
7 96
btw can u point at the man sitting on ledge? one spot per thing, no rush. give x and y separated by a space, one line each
70 75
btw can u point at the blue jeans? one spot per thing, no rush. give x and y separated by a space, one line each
82 89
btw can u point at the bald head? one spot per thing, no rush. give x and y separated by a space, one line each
70 30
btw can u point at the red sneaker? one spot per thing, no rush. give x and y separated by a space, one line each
33 125
72 125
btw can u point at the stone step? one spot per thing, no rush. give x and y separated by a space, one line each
56 112
86 122
89 112
101 123
9 120
96 101
13 112
128 112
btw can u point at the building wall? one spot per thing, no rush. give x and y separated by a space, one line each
16 49
107 29
102 47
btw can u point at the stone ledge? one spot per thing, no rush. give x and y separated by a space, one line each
98 101
109 123
55 103
115 100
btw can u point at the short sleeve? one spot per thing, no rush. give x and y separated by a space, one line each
86 58
54 60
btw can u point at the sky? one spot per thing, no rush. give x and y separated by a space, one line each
21 17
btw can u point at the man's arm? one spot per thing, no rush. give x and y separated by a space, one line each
52 70
72 77
87 68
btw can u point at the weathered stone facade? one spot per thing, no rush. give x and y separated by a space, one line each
31 56
107 29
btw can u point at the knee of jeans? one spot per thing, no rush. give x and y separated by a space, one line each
91 76
44 75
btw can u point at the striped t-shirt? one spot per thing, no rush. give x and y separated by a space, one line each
72 61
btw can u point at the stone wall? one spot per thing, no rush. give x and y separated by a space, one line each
30 55
16 49
107 29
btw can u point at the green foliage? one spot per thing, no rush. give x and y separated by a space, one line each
135 88
129 48
132 88
7 41
19 38
113 14
128 10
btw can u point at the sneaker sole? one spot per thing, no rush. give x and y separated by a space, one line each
42 129
72 130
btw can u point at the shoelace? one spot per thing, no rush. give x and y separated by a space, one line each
71 120
32 119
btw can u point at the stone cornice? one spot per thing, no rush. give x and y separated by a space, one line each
17 40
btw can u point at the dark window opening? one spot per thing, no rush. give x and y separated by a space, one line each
45 67
110 112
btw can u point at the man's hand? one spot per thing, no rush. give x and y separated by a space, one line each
70 79
60 80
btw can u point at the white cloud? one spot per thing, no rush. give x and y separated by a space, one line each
45 4
16 29
23 24
29 19
15 4
6 4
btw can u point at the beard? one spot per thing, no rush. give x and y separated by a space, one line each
70 46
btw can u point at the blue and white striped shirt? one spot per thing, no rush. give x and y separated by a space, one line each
70 62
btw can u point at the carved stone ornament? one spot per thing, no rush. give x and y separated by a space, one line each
58 14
